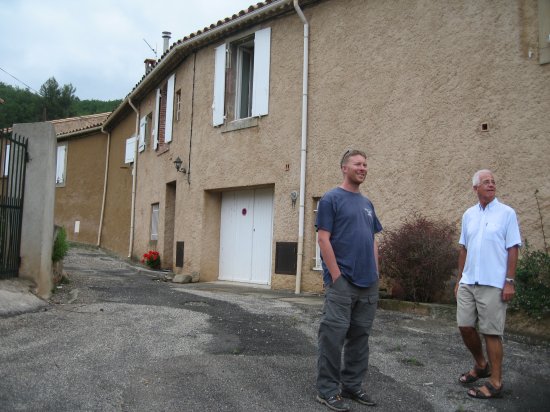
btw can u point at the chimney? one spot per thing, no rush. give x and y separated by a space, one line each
149 64
166 36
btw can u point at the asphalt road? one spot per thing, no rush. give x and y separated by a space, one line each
117 338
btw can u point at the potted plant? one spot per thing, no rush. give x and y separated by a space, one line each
151 259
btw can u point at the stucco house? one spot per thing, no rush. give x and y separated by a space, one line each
233 135
80 176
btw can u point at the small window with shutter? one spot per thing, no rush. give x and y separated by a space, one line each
246 62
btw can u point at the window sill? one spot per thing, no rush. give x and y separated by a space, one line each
240 124
163 148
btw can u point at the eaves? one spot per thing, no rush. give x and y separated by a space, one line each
173 57
79 133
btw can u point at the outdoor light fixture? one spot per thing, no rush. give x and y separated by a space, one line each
178 162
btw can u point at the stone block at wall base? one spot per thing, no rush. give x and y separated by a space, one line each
182 279
186 278
57 272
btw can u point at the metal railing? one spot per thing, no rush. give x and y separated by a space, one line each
13 161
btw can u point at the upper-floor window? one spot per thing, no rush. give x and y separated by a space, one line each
144 131
164 113
178 105
130 150
241 79
61 165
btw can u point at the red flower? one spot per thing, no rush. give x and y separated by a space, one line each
151 259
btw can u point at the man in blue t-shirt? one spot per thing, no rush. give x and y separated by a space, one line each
346 224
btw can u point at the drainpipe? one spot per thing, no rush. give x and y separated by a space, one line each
102 214
302 150
134 182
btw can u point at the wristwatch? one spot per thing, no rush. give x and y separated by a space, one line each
511 281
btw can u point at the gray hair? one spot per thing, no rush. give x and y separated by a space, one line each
475 179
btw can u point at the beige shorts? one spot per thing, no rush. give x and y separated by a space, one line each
481 304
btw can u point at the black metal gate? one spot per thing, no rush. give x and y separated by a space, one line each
13 161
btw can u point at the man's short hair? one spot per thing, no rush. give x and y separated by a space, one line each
476 180
349 153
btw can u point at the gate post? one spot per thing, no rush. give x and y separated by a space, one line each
38 209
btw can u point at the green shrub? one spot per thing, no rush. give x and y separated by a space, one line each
60 245
419 256
533 283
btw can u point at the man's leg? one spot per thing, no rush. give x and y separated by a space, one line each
495 353
473 343
332 332
356 349
492 319
466 315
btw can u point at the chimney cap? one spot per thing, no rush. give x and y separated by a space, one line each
166 34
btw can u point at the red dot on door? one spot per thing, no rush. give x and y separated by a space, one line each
244 211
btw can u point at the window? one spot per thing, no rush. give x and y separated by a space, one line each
155 221
130 149
143 132
244 67
178 105
61 163
241 78
164 113
318 265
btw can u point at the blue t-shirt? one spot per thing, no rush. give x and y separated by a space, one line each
352 223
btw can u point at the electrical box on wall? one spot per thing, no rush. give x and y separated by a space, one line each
285 258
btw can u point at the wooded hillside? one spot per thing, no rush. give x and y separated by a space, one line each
54 102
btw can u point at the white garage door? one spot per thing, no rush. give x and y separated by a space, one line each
245 236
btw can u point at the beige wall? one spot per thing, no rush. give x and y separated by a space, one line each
81 196
413 87
116 221
409 85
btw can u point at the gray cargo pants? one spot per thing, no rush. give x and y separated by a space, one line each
348 315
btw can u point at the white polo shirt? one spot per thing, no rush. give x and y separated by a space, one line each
486 235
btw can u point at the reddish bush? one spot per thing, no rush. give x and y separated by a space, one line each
420 256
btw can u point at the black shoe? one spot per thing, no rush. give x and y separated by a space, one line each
334 402
359 396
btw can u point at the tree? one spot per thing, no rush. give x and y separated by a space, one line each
24 106
58 102
20 106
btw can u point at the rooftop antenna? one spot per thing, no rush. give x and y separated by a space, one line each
153 50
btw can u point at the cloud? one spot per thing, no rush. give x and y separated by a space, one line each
96 45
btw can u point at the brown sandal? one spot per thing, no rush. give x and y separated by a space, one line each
493 392
467 377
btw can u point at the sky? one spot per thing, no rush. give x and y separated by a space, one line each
96 45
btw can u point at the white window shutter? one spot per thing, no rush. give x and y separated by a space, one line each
218 106
142 129
260 88
155 222
60 164
157 119
130 149
169 108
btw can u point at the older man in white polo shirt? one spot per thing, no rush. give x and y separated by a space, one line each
490 241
